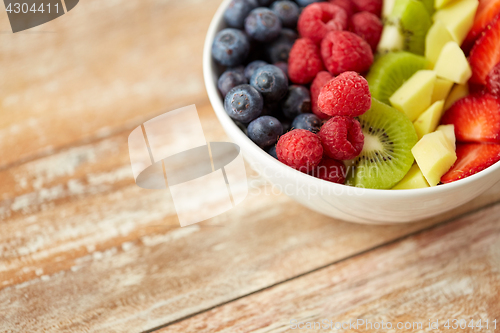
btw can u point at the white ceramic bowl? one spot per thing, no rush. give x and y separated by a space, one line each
340 201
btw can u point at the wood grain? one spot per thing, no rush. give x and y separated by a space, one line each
449 272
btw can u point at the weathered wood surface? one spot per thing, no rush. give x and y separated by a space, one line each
81 247
449 272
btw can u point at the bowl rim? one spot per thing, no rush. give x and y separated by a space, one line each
209 68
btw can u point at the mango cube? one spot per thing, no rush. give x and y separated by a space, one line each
442 89
413 179
434 156
458 17
436 38
414 96
428 121
449 133
459 91
452 64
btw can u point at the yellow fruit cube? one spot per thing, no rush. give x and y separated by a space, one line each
452 64
436 38
458 17
414 96
413 179
459 91
428 121
442 89
449 133
434 156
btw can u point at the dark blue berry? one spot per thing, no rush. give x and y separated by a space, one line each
265 2
237 12
288 12
279 49
243 103
304 3
283 66
265 131
297 101
307 121
271 82
230 47
252 67
231 78
263 25
272 151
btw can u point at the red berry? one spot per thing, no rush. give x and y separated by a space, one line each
347 5
300 149
342 138
493 81
486 12
318 19
372 6
304 61
476 118
345 51
346 95
471 159
486 53
319 81
367 26
330 170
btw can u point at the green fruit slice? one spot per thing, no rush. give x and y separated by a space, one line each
413 20
391 70
386 156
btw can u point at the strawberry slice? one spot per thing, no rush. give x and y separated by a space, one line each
476 118
486 53
486 12
472 158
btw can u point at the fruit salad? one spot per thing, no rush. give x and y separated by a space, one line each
381 94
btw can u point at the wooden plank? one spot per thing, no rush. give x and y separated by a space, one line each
102 67
107 255
450 272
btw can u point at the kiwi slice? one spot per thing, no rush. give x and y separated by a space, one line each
386 156
406 27
391 70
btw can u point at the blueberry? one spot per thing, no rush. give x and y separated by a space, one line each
307 121
265 2
297 101
230 47
243 103
262 25
279 49
252 67
288 12
271 82
272 151
237 12
304 3
283 66
265 131
231 78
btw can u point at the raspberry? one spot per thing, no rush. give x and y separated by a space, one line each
342 138
330 170
346 95
304 61
319 81
344 51
367 26
318 19
300 149
372 6
493 80
347 5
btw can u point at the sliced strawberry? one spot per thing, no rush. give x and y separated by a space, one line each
486 53
476 118
472 158
486 12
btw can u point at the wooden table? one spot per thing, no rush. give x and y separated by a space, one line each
83 249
